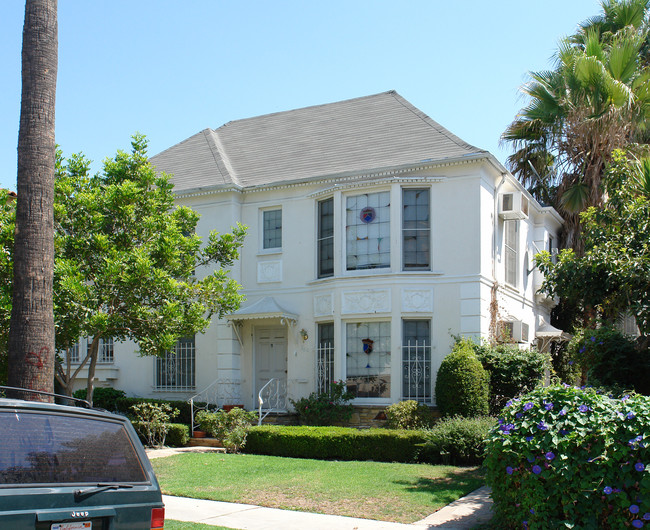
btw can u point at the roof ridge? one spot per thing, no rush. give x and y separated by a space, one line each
308 107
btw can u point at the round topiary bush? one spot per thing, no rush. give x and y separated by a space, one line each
565 457
462 383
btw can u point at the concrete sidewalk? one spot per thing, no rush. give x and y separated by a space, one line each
463 514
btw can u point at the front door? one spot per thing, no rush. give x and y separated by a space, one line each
270 357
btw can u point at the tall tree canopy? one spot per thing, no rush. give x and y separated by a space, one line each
129 264
612 277
31 344
597 99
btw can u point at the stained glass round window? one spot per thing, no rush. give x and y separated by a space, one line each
368 214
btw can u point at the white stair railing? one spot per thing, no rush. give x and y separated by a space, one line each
272 398
217 394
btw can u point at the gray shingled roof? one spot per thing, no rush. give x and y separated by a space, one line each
356 135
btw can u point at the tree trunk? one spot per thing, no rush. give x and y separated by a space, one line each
31 336
94 350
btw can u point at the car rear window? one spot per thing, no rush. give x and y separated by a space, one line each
40 448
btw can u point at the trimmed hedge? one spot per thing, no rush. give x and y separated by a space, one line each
335 443
178 435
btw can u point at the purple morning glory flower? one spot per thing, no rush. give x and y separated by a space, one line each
637 524
542 426
528 406
646 516
582 350
630 415
519 415
537 470
593 339
583 408
607 490
570 363
563 412
548 406
639 466
531 459
532 510
509 470
529 438
501 421
634 509
563 432
625 397
549 456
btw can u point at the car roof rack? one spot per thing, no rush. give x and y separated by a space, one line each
82 402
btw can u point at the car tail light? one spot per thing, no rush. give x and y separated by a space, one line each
157 518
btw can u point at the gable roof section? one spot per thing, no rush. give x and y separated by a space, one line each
372 132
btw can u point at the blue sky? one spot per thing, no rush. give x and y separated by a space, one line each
169 69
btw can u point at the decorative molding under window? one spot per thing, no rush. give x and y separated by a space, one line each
355 302
417 300
269 271
323 305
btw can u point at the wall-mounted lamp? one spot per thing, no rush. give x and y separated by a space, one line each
303 334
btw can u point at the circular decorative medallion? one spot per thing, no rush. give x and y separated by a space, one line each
368 214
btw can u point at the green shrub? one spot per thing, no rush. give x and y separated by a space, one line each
512 371
152 422
335 443
230 428
462 383
327 408
457 441
408 415
124 405
567 457
610 359
178 435
103 398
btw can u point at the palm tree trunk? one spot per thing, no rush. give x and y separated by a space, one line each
31 336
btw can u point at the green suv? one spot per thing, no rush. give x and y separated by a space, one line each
70 468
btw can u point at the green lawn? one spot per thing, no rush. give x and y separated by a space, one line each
374 490
182 525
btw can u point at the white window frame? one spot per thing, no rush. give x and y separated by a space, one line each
263 232
184 352
426 231
511 252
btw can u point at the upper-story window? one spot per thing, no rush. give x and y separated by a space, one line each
416 229
511 243
272 228
326 238
367 231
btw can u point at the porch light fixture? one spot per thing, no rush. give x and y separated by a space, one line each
303 334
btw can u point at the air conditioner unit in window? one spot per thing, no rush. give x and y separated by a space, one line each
513 205
513 331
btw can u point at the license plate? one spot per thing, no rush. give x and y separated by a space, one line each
81 525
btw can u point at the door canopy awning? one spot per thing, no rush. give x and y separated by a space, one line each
546 334
267 307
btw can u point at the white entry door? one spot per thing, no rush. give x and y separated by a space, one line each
270 357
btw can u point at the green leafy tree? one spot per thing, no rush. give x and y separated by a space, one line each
128 263
613 274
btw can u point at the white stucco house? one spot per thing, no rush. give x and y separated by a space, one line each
375 237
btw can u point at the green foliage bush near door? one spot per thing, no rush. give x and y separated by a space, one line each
462 383
230 428
564 457
326 408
